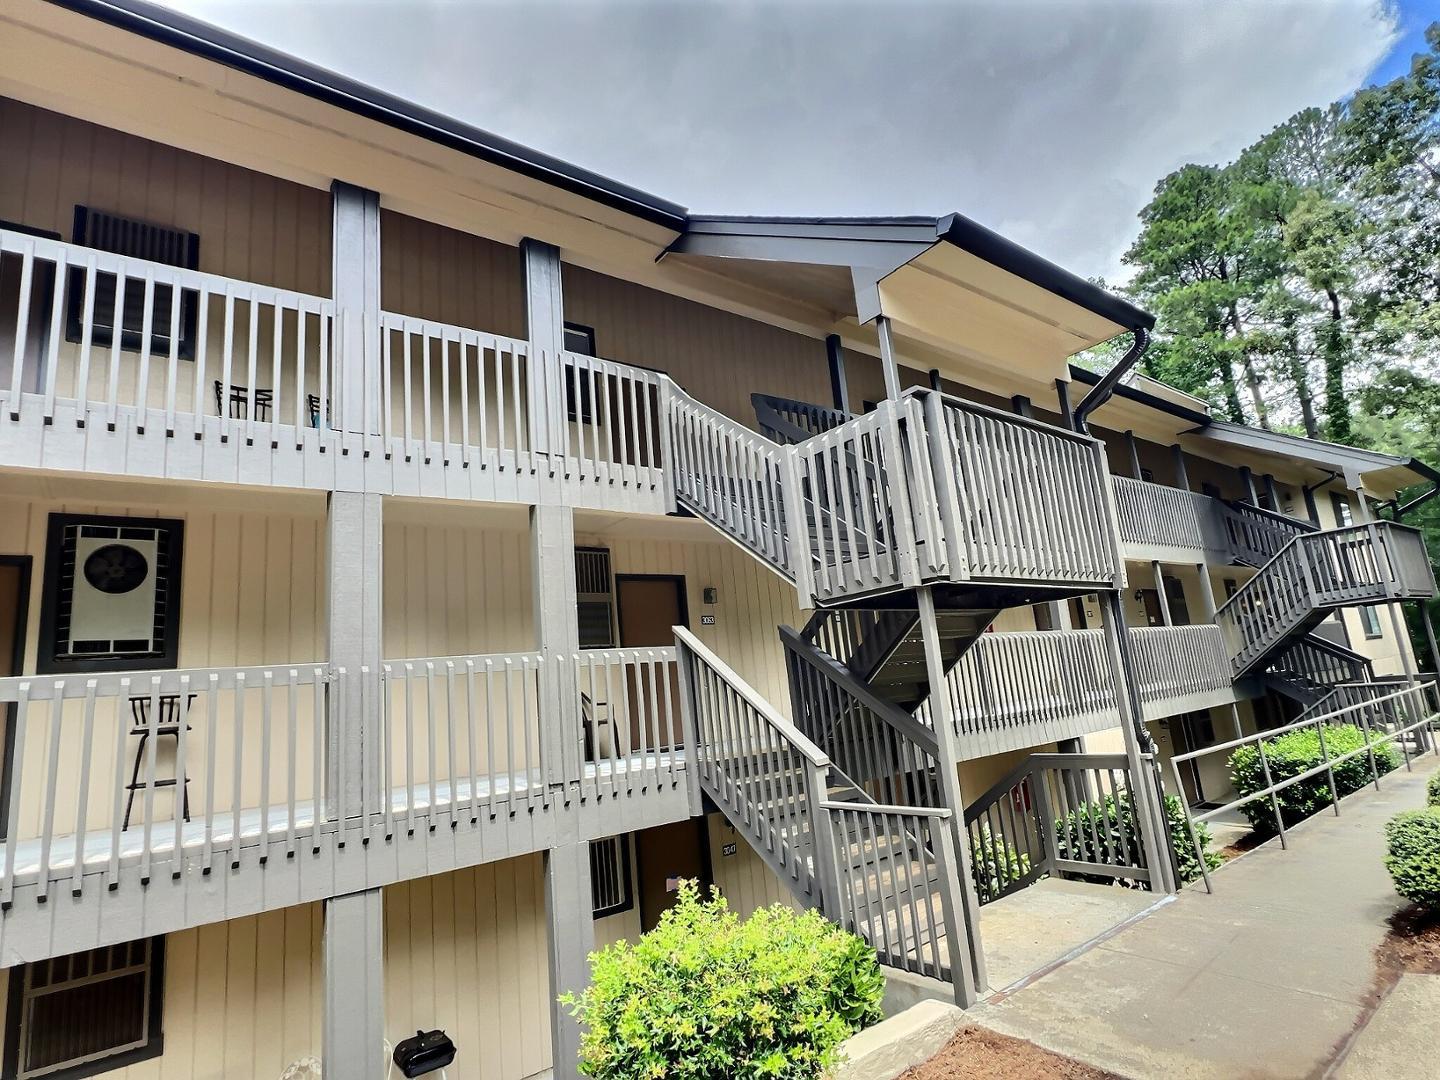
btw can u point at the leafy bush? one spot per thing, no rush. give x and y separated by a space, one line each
1115 830
1432 790
994 864
706 995
1413 839
1296 752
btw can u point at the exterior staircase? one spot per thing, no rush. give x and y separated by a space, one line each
1316 572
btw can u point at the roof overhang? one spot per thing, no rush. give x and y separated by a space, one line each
1381 474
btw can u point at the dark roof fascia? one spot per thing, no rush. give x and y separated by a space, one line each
1141 397
211 43
985 244
880 244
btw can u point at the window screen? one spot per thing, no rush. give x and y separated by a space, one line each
594 598
611 889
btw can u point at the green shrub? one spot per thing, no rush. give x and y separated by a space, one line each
994 864
1432 790
1296 752
1115 830
706 995
1413 840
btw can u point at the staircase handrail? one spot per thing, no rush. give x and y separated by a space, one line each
841 676
788 730
770 414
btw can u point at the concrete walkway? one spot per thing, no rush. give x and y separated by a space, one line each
1272 976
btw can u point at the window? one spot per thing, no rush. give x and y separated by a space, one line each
1148 475
1370 622
1207 488
594 599
1231 587
579 389
1044 620
1175 597
112 593
136 239
1341 505
611 890
89 1012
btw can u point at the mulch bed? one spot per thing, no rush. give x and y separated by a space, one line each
1413 944
980 1054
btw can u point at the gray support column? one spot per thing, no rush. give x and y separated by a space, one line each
557 636
1134 451
1397 621
1272 492
568 911
1182 474
1144 774
1165 617
839 388
971 979
355 284
888 364
354 563
1235 720
353 1035
1248 479
1207 592
1062 398
545 330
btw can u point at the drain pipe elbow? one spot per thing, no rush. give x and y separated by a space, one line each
1101 391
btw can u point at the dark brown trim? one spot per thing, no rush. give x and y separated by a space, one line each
46 662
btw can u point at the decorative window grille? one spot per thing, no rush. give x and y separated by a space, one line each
88 1012
611 890
594 598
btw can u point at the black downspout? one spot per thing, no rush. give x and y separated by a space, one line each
1101 391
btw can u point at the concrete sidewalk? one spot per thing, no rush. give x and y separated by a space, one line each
1270 977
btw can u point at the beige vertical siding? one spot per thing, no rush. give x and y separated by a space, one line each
251 226
744 879
432 272
467 952
717 357
242 999
456 583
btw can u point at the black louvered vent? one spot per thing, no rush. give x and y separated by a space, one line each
136 240
594 600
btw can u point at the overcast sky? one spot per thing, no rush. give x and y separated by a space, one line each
1049 120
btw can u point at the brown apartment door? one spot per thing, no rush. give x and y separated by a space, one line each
666 855
14 604
649 606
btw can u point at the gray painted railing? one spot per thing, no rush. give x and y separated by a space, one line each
1178 661
1316 572
880 747
1068 814
1155 515
885 872
1021 500
786 420
926 488
1254 535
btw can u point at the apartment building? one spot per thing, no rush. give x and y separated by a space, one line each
419 554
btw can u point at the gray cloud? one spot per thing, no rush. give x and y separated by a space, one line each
1049 120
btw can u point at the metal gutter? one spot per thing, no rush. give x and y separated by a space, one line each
211 43
1140 397
1101 391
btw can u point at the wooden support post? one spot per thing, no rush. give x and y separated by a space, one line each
1062 398
972 978
1165 617
888 364
354 732
1207 591
839 388
1150 810
1182 474
1248 479
353 1031
568 912
545 327
557 639
355 282
1133 449
1272 492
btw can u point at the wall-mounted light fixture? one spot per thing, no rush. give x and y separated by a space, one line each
426 1052
710 594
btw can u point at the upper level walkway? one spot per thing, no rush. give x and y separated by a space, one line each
1175 994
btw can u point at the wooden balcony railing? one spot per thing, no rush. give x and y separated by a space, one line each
174 770
1154 515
